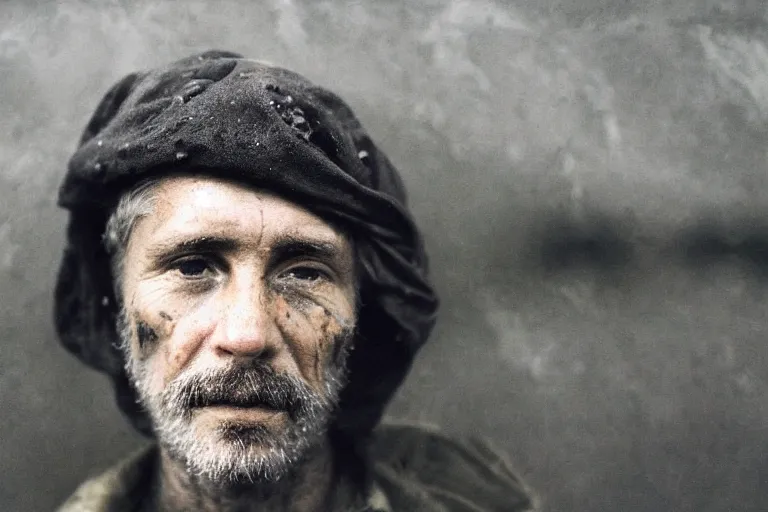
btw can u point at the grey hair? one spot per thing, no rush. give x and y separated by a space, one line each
133 205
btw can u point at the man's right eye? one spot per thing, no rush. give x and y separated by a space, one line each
193 267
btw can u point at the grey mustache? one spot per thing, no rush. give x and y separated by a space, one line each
250 386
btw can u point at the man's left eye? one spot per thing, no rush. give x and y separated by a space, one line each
305 273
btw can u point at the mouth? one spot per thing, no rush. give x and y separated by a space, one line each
234 401
241 407
238 413
237 405
230 406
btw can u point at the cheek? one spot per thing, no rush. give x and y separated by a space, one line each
312 327
146 336
168 329
194 324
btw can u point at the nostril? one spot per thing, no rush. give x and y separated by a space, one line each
242 332
242 346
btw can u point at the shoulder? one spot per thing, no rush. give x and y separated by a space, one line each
419 466
117 489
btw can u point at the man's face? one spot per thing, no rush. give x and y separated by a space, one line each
239 308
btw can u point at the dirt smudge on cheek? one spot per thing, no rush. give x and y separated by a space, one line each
146 336
289 299
327 344
282 308
177 359
333 338
337 333
306 320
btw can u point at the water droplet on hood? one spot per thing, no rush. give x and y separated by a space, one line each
193 88
123 151
294 117
99 170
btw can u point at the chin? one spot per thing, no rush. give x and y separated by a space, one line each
231 452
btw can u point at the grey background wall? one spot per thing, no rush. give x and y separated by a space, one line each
592 180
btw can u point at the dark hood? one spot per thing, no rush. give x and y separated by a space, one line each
220 114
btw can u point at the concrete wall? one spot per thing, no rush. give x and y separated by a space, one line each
591 177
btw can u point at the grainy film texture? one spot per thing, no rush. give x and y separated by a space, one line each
591 178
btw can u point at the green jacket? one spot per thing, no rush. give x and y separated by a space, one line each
415 469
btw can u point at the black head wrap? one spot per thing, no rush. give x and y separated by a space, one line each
220 114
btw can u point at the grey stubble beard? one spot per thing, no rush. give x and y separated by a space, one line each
234 454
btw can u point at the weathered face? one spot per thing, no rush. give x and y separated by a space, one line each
239 307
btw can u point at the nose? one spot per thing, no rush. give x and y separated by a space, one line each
244 327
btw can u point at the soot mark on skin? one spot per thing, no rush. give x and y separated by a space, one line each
166 316
330 347
339 348
296 299
145 334
321 350
337 340
325 340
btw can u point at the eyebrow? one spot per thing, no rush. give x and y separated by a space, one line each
202 244
291 246
286 247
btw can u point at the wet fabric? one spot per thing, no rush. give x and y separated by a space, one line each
222 115
415 469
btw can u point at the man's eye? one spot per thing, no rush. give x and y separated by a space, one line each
194 267
305 273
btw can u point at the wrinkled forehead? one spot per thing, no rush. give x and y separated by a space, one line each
196 205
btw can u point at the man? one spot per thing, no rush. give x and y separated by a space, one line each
241 262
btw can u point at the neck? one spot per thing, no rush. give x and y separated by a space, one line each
308 488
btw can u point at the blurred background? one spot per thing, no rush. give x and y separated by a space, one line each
591 178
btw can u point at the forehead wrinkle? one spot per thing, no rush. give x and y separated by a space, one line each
185 199
188 209
216 220
225 234
294 219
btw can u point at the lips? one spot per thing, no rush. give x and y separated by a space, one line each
239 405
199 402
